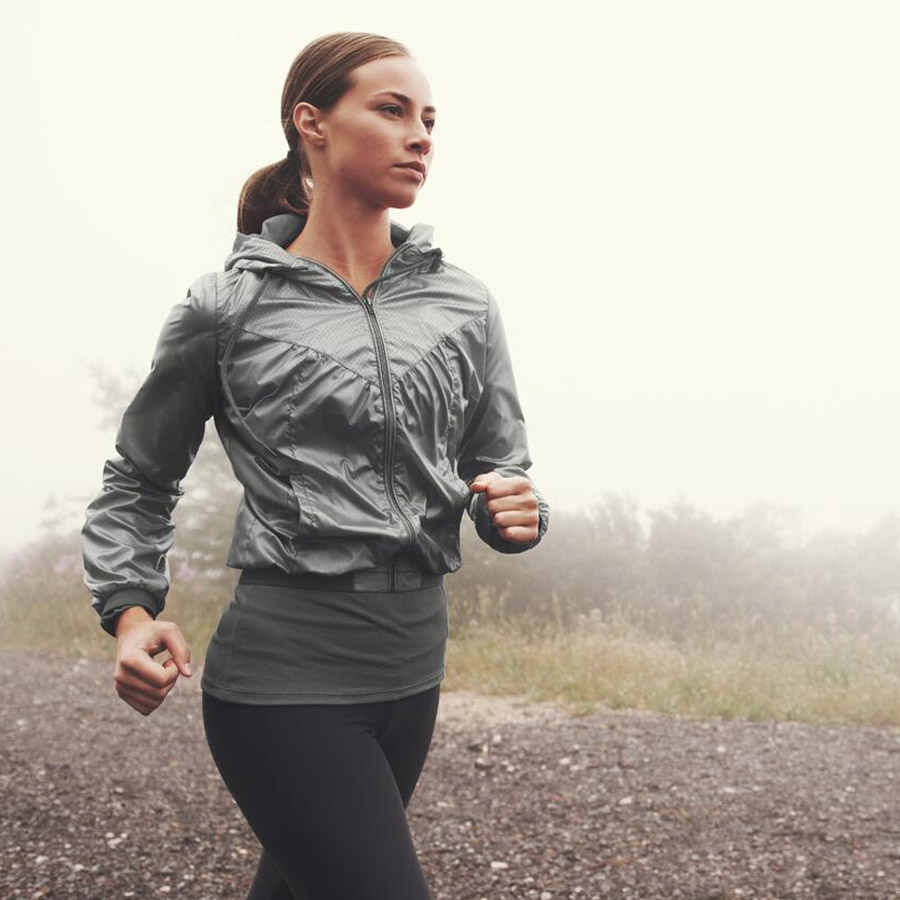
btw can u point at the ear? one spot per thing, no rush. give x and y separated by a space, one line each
309 122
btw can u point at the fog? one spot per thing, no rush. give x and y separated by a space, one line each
687 212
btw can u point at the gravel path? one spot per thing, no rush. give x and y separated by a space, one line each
515 800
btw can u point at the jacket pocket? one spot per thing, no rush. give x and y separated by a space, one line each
335 435
305 510
339 496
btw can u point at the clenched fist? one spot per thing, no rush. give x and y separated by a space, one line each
512 505
141 681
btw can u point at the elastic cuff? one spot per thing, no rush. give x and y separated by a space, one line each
484 526
121 600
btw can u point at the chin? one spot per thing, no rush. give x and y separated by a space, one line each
403 201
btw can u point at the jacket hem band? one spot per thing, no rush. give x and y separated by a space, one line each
364 580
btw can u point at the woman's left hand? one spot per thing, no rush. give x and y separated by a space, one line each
512 505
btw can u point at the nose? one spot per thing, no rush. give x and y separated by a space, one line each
421 141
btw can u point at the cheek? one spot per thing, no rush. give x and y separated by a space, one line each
373 139
367 160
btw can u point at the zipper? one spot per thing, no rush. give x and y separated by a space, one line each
368 304
392 429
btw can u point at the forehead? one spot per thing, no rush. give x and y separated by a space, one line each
392 73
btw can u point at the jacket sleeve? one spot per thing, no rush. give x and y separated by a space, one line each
128 528
495 437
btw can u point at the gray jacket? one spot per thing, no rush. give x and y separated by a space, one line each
353 422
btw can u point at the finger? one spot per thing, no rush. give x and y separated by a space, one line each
172 674
526 502
178 647
508 486
139 665
480 482
137 702
522 518
139 659
125 674
141 690
518 533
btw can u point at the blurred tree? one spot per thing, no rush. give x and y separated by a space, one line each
878 553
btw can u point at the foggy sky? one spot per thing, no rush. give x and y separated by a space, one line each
688 214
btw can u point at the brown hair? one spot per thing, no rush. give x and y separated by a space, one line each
319 75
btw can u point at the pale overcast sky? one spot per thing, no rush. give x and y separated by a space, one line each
688 213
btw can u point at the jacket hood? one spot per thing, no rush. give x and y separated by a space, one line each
265 251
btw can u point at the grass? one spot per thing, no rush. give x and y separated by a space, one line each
799 674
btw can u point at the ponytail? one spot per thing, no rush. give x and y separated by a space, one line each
320 75
284 186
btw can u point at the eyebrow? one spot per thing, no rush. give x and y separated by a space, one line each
405 99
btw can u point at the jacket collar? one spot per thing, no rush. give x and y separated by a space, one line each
266 250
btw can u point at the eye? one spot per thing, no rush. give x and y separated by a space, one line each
392 106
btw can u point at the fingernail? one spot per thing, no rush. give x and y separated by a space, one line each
187 669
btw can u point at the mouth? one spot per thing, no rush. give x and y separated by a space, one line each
416 170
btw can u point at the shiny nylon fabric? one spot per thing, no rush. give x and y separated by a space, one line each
354 424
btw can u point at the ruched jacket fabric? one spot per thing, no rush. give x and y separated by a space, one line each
353 422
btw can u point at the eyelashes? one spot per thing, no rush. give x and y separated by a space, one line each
429 122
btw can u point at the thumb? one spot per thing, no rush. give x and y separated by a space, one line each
480 482
183 661
171 668
180 652
179 662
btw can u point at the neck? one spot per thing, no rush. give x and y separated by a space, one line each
351 238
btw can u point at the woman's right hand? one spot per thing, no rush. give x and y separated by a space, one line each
140 681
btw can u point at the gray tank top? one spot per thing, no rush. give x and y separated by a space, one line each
277 644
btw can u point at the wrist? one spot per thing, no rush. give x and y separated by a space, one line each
130 616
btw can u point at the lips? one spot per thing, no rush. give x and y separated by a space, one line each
414 171
418 166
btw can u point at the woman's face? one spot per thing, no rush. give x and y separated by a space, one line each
358 147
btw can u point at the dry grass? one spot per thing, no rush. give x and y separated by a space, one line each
802 675
799 674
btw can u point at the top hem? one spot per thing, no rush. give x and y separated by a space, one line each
265 698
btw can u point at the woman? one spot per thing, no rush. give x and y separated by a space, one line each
362 388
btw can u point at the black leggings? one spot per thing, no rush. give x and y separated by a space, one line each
324 787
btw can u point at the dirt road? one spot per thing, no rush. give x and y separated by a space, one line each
515 800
